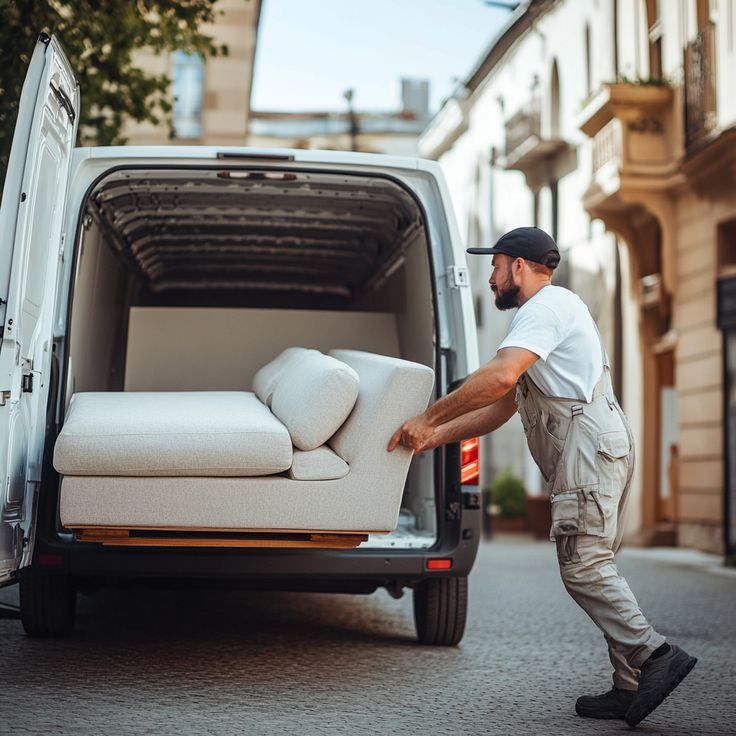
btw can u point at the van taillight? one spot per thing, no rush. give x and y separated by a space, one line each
439 564
470 462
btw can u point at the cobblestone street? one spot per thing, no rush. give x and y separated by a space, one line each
164 662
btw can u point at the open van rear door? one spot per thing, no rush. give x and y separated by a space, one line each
31 252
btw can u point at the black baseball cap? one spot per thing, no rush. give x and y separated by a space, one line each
530 243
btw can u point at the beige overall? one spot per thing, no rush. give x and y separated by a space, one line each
585 452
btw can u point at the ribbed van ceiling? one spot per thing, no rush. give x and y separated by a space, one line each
255 230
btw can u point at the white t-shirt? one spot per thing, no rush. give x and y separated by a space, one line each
556 325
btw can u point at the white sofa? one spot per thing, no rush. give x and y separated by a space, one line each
232 461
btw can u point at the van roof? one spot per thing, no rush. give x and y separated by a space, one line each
234 153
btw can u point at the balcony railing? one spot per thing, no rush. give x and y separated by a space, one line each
700 86
607 145
523 126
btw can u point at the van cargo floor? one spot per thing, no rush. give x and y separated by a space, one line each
119 537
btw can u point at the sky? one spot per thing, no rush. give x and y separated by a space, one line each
310 51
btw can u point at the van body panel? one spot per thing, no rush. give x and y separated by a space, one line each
31 227
459 524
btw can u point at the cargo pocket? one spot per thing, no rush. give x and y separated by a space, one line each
568 514
577 512
613 461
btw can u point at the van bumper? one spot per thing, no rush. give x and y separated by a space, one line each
352 570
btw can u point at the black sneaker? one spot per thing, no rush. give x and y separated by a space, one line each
613 704
658 678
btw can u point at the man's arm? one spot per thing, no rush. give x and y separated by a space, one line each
485 386
475 423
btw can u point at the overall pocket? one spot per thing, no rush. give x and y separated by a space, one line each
586 467
545 448
527 411
613 461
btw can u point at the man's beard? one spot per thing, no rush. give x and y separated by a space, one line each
510 298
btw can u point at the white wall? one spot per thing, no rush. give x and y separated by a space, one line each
212 349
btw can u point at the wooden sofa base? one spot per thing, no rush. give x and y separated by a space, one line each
182 537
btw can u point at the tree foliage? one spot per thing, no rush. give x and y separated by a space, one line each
99 38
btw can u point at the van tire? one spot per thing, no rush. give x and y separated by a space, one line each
440 610
47 604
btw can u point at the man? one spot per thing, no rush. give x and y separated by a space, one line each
552 369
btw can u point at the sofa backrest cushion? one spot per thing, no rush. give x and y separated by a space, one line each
313 396
322 463
265 380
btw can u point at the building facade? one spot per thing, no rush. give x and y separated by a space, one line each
211 97
663 133
609 123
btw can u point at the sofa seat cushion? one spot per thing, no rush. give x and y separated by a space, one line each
201 433
313 396
322 463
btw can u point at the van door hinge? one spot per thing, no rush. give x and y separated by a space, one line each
458 276
26 381
26 385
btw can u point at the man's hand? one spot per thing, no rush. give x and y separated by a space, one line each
415 433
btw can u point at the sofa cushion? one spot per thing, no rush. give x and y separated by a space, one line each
313 396
199 433
265 380
322 463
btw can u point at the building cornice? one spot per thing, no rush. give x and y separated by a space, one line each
451 121
520 21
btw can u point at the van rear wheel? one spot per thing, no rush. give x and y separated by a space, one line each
47 604
440 610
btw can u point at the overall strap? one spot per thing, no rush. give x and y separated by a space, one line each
604 354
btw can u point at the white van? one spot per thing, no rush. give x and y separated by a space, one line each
183 268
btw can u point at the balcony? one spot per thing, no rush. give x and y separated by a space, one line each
634 149
700 86
527 147
636 146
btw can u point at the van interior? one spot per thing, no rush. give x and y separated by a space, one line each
192 279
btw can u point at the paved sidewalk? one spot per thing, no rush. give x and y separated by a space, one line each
680 557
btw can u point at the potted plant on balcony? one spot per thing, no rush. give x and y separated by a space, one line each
507 503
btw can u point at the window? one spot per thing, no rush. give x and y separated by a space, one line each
588 63
654 24
188 82
614 22
554 102
702 14
726 300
